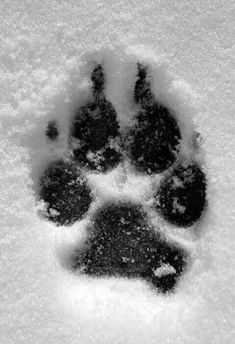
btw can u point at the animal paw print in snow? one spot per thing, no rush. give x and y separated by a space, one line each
121 239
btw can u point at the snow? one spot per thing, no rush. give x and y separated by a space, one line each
47 52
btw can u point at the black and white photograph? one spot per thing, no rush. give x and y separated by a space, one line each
117 177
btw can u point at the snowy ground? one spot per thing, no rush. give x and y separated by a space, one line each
46 51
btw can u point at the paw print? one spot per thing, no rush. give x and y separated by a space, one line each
122 240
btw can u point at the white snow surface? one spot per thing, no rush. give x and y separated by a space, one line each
47 52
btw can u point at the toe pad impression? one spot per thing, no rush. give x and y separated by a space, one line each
181 197
65 192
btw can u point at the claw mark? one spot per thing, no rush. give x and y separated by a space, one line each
143 94
52 131
98 80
